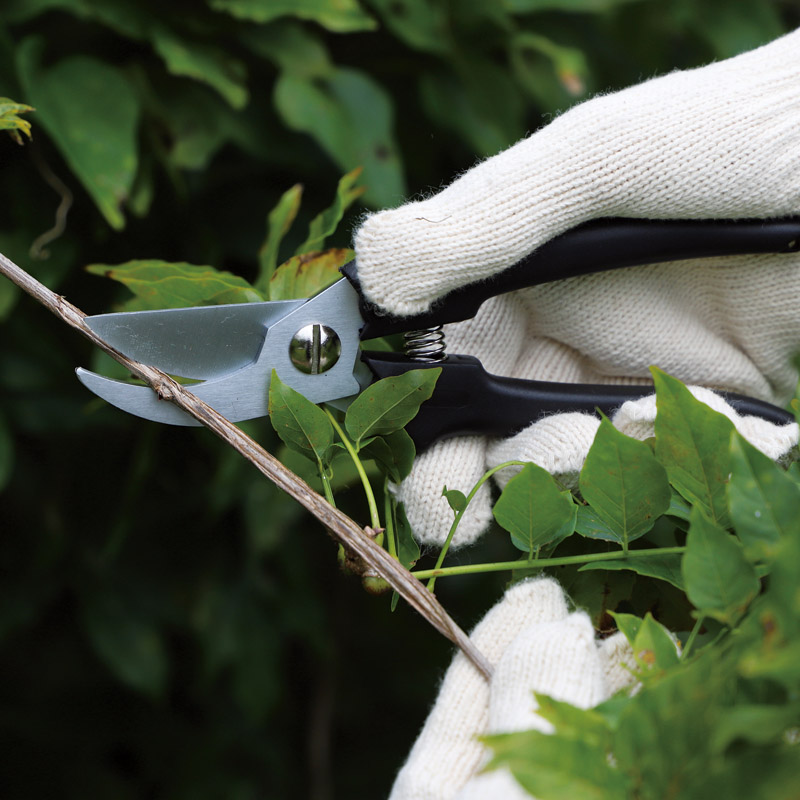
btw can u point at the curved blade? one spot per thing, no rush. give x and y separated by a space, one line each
202 343
239 396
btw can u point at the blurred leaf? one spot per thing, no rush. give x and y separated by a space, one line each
419 23
351 118
534 510
531 6
623 483
573 722
394 454
336 15
389 404
301 425
719 580
6 454
325 223
304 276
479 102
161 284
568 63
294 48
733 28
664 567
554 767
91 112
11 121
205 63
693 444
764 501
456 499
279 220
653 648
9 294
760 724
628 624
127 641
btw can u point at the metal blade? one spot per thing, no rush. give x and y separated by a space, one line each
201 343
244 393
240 396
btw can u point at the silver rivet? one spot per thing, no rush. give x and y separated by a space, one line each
315 349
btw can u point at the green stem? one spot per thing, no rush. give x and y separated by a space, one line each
460 514
326 483
375 520
388 514
692 637
500 566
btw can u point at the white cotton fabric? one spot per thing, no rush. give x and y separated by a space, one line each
720 141
534 644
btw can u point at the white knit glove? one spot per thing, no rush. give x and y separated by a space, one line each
721 141
534 644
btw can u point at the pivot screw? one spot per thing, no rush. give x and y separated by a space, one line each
315 349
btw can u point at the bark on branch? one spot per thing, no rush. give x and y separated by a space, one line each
341 526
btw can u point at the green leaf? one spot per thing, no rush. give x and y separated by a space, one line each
127 641
760 724
764 501
534 510
205 63
91 112
303 427
664 567
304 276
331 110
389 404
573 722
557 767
653 648
407 548
623 483
590 525
394 454
456 499
420 24
161 284
339 16
532 6
279 220
479 102
568 63
629 624
11 121
6 453
720 582
325 223
693 444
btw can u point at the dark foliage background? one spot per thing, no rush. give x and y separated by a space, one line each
171 627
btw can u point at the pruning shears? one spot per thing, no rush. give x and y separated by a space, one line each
314 345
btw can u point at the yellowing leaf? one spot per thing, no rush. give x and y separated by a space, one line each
11 121
305 275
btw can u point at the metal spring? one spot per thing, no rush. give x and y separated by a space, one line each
426 344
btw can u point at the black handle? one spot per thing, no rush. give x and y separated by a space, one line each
468 400
595 247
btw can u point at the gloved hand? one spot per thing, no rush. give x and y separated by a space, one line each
720 141
534 644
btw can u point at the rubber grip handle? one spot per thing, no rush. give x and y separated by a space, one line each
468 400
595 246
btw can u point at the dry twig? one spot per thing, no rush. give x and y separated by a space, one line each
341 526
